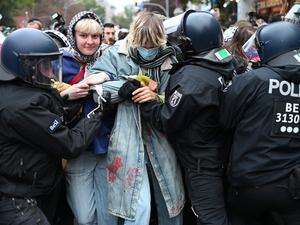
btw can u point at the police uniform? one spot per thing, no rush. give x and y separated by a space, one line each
33 134
190 118
33 139
261 108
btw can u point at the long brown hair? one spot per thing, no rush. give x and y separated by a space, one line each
147 28
241 35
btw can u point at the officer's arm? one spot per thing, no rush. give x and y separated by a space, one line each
171 116
235 99
38 127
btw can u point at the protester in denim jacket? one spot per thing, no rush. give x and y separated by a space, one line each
139 155
86 189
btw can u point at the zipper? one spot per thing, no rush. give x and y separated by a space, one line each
21 168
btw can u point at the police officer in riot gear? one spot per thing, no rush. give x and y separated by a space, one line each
190 113
261 107
33 137
293 14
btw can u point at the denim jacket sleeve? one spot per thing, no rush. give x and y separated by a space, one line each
115 63
105 64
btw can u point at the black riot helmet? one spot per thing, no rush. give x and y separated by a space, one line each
194 32
32 56
278 39
60 39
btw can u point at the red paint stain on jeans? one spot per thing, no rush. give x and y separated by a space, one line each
113 168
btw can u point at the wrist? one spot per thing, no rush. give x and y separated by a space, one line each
106 77
159 98
65 97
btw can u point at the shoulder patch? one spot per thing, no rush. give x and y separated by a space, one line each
175 98
222 54
54 125
297 57
221 80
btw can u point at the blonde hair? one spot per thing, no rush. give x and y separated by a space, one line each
147 28
88 26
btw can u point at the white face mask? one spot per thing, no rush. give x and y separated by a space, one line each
147 54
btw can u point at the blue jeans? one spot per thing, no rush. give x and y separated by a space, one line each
15 211
144 203
87 189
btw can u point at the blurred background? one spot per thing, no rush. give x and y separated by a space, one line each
16 13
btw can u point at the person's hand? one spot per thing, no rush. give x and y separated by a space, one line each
97 78
152 85
144 94
128 88
76 91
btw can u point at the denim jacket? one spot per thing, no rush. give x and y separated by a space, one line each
131 138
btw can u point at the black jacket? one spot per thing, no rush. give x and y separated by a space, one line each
33 139
190 115
262 108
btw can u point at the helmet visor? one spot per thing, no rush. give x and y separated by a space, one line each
171 25
250 49
173 30
294 14
43 69
49 68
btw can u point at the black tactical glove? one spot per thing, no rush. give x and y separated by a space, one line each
127 88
